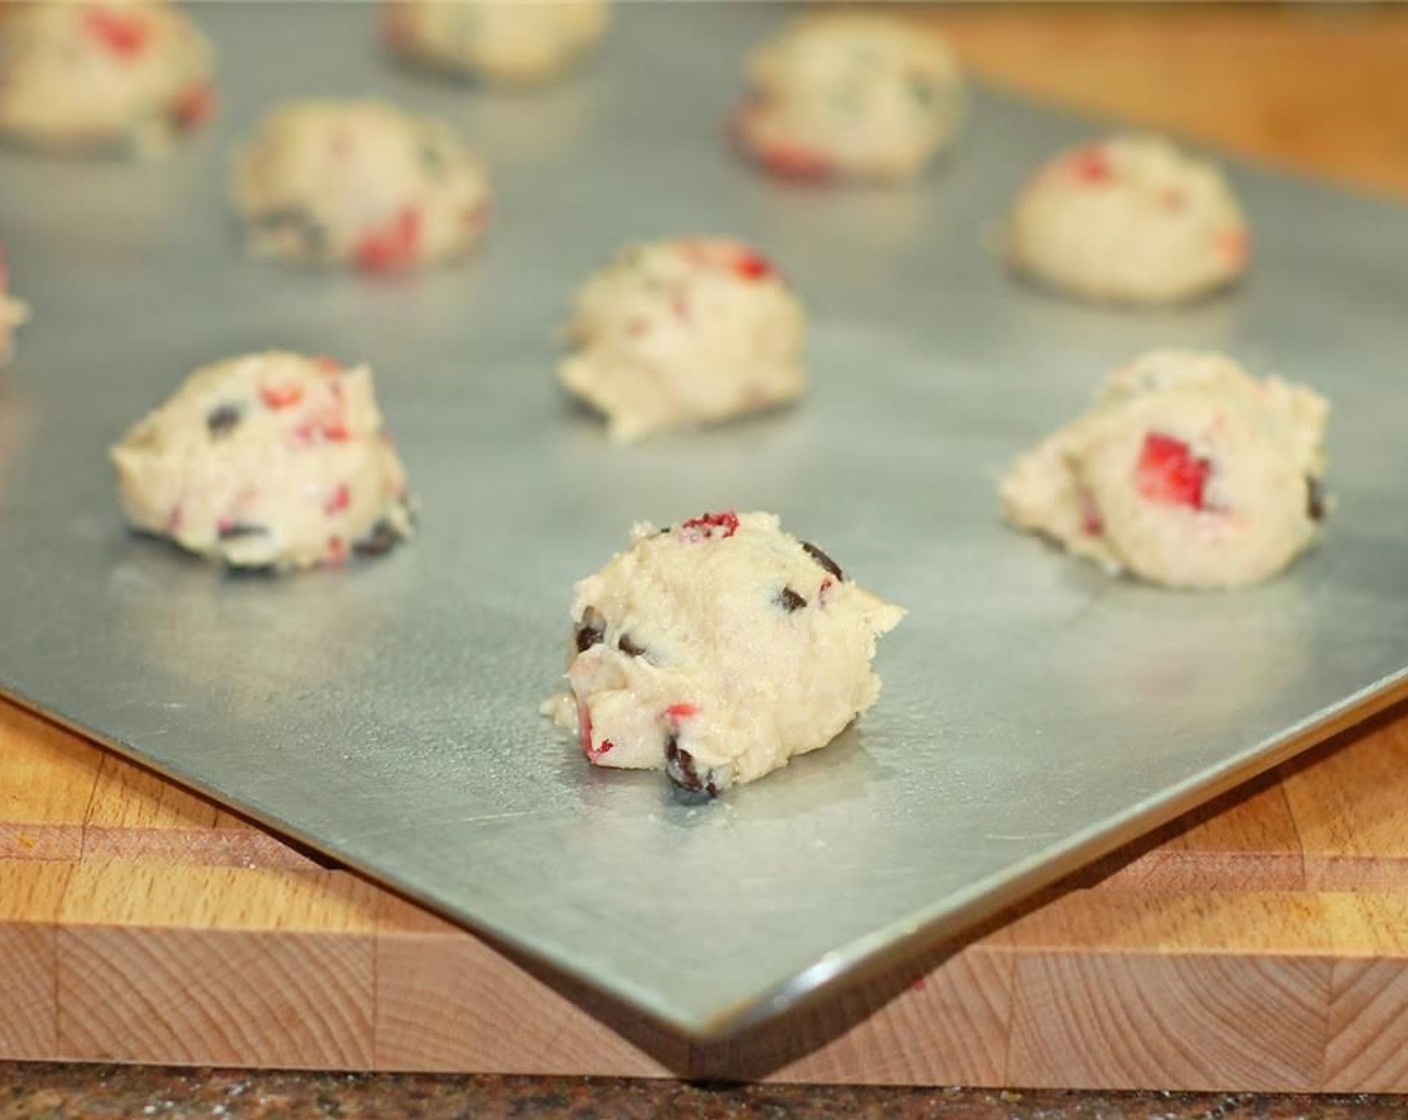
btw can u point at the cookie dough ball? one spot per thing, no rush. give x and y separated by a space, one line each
501 40
850 94
672 334
1188 472
359 183
1131 219
717 649
102 75
13 312
270 460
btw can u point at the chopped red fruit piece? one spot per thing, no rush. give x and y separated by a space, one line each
702 528
1091 165
392 247
752 266
917 985
195 105
1235 245
738 259
337 551
325 364
1091 523
1170 473
281 396
332 430
120 33
824 591
395 27
793 162
476 216
584 727
682 711
338 501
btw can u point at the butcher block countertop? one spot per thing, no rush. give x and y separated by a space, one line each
1280 913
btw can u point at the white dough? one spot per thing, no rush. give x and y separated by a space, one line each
1188 472
359 183
718 649
502 40
267 460
1131 219
13 312
672 334
853 94
104 75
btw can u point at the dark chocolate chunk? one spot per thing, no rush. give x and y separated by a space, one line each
681 767
789 600
239 529
381 539
825 561
628 647
1315 505
221 420
588 635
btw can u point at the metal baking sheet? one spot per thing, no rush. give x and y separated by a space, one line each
1035 712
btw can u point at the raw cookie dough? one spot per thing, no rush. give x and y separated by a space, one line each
13 312
271 460
718 649
1187 472
359 183
102 75
672 334
502 40
1130 219
850 94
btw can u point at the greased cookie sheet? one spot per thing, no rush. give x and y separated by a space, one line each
1034 711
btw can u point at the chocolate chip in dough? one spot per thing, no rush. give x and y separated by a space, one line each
825 561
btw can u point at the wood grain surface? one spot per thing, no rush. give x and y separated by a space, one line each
1260 943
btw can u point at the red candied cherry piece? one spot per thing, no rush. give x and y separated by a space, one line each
682 711
394 27
1235 245
332 430
738 259
338 500
792 162
195 105
324 364
337 551
393 246
1169 472
1091 523
702 528
281 396
751 265
119 34
584 730
1091 165
477 215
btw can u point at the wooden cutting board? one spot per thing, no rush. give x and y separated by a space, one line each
1260 944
